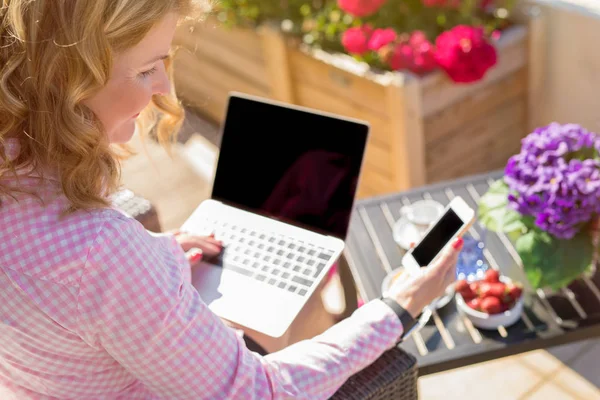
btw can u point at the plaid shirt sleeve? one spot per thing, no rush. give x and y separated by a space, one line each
137 303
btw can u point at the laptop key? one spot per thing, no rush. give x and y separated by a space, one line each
324 256
297 268
281 285
272 281
319 269
301 249
292 288
275 272
285 275
237 269
287 264
261 277
307 271
302 281
302 292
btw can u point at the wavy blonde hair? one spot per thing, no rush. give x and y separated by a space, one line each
53 55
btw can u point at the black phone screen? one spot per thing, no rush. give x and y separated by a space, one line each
437 238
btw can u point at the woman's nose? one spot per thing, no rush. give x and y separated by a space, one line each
162 84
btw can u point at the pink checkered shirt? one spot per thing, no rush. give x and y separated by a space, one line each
92 306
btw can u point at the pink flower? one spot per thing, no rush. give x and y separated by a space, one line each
465 54
361 8
355 40
415 54
381 37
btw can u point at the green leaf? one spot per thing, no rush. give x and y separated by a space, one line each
551 262
495 214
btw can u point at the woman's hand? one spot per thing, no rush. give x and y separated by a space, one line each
415 292
198 247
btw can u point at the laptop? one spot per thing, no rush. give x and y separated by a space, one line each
281 202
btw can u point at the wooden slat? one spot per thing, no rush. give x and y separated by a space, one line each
230 59
243 41
187 63
375 183
483 161
439 92
200 81
348 87
469 147
404 106
484 103
277 63
202 95
537 69
379 158
309 95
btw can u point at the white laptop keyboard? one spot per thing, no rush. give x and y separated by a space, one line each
283 262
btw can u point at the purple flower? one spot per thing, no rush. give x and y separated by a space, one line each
556 178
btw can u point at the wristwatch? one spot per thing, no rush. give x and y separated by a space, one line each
407 320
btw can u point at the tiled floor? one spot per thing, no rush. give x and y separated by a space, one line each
176 185
566 372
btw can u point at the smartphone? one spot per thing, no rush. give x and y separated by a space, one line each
455 221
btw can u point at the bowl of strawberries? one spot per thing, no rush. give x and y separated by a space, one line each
491 302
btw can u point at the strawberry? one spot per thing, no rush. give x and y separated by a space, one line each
464 289
492 276
474 287
475 304
491 305
514 291
497 290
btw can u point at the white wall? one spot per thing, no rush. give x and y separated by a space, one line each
572 67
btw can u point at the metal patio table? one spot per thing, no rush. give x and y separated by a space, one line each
449 340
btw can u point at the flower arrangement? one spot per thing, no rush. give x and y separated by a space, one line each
391 35
549 202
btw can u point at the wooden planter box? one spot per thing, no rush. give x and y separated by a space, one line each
423 129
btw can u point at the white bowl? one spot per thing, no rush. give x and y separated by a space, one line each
488 321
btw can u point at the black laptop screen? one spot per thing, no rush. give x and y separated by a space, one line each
299 167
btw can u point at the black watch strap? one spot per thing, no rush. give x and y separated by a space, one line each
404 316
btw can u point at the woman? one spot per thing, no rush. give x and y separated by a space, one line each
91 304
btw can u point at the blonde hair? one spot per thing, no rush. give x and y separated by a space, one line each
53 55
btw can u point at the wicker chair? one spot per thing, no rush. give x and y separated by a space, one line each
392 377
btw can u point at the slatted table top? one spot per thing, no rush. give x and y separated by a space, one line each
449 340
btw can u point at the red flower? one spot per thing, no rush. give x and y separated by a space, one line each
486 3
381 37
361 8
465 54
415 54
355 40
